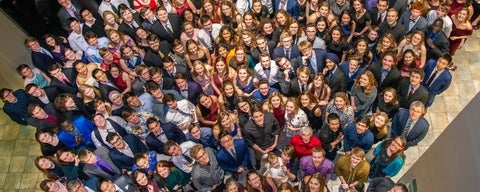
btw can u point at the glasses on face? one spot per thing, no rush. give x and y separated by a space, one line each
286 40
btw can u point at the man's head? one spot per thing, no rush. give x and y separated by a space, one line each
318 155
311 31
115 140
91 38
76 185
162 14
172 148
362 124
153 42
7 95
286 40
36 111
306 48
33 90
262 42
356 156
226 140
142 72
331 61
170 101
416 110
333 121
32 43
87 157
130 116
131 99
200 154
392 16
416 77
154 126
74 25
265 60
65 3
258 116
382 6
181 80
156 75
153 89
399 187
263 87
389 60
55 71
416 9
443 61
437 25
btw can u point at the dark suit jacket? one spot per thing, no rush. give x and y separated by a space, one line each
351 79
125 183
278 52
337 83
178 69
417 132
231 164
123 161
442 45
163 34
172 132
255 53
91 170
167 83
390 81
420 25
51 93
292 7
97 28
125 28
294 88
41 124
63 15
319 58
374 16
106 89
152 59
194 90
42 61
138 86
421 94
71 75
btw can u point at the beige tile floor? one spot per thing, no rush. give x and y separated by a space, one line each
18 147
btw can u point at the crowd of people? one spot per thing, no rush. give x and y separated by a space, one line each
249 95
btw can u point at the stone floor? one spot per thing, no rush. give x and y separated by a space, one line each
18 147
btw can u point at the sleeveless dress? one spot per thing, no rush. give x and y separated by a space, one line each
181 8
133 62
454 44
152 5
315 122
279 114
119 82
247 89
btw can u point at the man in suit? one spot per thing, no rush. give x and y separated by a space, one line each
15 104
138 85
263 46
105 126
160 133
41 96
436 41
156 75
148 17
437 77
75 38
334 76
167 26
92 23
98 163
379 12
139 103
111 5
208 33
358 135
233 156
386 72
290 6
68 10
313 58
188 89
130 22
413 19
299 84
158 50
352 70
206 172
155 94
170 69
180 153
41 57
42 118
63 79
410 124
105 84
411 89
392 26
266 69
287 48
124 149
316 42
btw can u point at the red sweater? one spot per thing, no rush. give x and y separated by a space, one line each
304 149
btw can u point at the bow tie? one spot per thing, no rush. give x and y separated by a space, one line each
414 20
266 68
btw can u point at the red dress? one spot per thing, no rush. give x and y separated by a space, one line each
454 44
152 5
279 114
181 8
119 82
106 66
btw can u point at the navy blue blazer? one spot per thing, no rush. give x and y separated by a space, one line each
123 161
417 132
231 164
279 52
337 83
319 58
292 7
42 61
442 81
194 90
171 131
351 79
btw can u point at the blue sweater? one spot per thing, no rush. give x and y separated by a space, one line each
353 139
18 111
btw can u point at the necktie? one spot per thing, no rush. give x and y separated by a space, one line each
169 30
412 90
114 9
106 169
267 72
407 128
77 16
233 153
190 160
287 54
66 81
379 20
432 78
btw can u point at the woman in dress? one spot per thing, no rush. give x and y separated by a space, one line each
373 34
416 42
56 46
89 95
111 20
189 32
53 185
121 79
244 110
295 118
379 127
386 43
228 37
49 167
130 58
117 39
348 25
201 73
407 63
388 102
322 27
360 48
336 43
389 158
363 93
341 106
152 4
182 5
141 38
282 19
261 11
71 56
207 110
227 122
316 183
296 30
361 17
70 163
245 80
84 74
212 10
144 181
462 29
249 23
323 11
196 52
229 96
230 15
320 90
275 104
222 73
314 112
189 16
49 142
249 41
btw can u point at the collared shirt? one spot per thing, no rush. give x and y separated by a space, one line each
206 176
308 168
180 161
77 41
103 135
92 52
127 150
182 114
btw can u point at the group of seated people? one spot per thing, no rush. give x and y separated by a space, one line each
258 95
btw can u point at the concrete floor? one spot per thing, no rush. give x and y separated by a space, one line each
18 147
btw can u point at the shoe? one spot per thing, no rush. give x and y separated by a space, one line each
452 67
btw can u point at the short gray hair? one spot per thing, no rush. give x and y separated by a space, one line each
306 129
